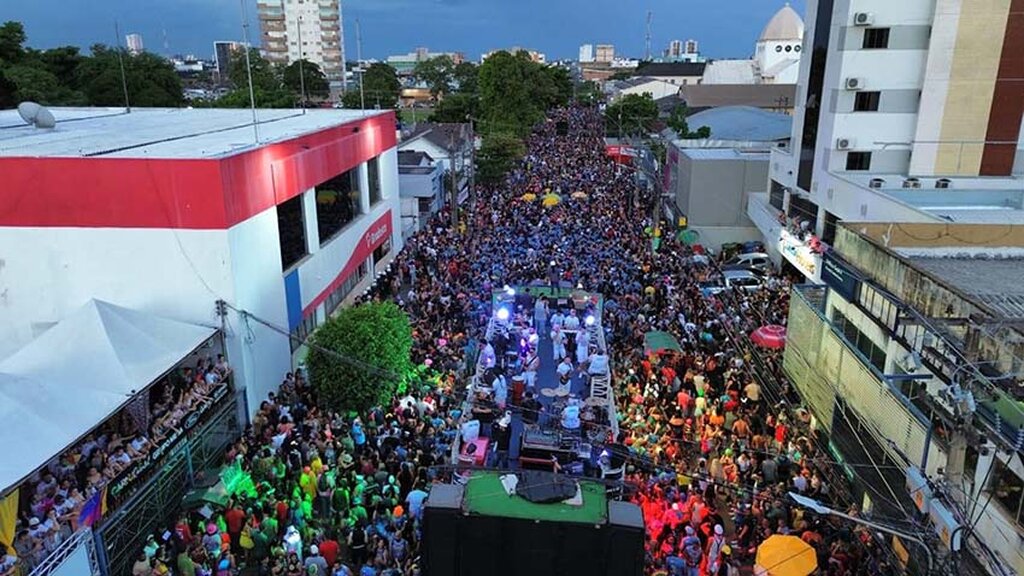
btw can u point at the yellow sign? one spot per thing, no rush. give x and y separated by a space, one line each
901 551
682 221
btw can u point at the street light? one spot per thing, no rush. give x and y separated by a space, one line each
823 510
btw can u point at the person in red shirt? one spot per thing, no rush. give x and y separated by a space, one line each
184 530
235 519
329 549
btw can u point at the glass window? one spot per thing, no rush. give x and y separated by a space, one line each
876 38
335 298
1007 488
291 232
301 332
858 160
337 204
373 172
777 196
381 251
866 101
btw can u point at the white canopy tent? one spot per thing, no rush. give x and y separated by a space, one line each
78 373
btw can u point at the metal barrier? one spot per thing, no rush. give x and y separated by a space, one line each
81 539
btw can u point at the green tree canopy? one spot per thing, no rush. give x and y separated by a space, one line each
456 107
151 79
12 38
631 115
380 88
437 73
677 122
264 76
316 83
498 154
465 76
378 337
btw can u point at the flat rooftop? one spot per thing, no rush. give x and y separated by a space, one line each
174 133
997 283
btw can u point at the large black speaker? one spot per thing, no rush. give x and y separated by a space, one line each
441 514
625 540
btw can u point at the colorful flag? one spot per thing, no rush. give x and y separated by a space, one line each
94 509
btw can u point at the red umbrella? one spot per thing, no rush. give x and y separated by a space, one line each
770 336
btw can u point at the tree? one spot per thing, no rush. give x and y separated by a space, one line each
151 79
456 107
33 83
506 100
278 98
437 73
12 37
677 122
378 338
7 90
588 92
498 154
621 75
264 76
466 76
316 84
631 115
380 88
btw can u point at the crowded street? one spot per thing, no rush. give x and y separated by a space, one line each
715 439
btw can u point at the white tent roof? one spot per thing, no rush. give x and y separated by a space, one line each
79 372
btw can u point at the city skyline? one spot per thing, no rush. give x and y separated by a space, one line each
725 30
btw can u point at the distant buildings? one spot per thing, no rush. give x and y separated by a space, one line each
222 53
691 47
679 51
604 53
304 29
776 55
134 43
405 63
675 49
586 53
535 56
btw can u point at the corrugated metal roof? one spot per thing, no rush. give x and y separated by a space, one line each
743 123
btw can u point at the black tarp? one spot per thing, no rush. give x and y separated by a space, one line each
545 487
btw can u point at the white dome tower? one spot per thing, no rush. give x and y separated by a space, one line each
778 49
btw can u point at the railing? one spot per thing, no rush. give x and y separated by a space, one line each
81 539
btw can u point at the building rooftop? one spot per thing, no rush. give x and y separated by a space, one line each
729 72
725 154
743 123
964 200
779 96
786 24
671 69
1002 290
441 135
161 132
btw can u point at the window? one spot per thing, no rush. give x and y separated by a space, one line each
335 298
301 332
337 204
866 101
858 160
876 38
291 232
381 251
373 172
828 233
1007 488
777 195
859 341
426 205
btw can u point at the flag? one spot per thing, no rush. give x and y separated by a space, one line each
94 509
8 519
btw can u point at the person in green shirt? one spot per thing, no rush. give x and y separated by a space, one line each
185 565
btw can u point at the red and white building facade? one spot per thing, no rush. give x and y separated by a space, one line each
167 211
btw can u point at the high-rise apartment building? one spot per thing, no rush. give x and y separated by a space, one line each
223 50
134 43
586 53
307 29
604 53
898 97
691 47
675 49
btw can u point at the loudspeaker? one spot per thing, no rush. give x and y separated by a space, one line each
441 516
624 538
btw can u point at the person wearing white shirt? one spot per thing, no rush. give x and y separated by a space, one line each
571 417
582 347
530 368
572 322
557 319
558 342
487 356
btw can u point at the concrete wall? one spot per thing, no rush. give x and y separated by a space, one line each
714 192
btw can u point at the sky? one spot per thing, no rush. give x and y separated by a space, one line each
724 28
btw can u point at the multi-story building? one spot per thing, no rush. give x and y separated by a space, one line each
404 64
691 47
906 111
675 49
776 55
304 29
604 53
192 208
586 53
223 50
909 360
134 44
538 57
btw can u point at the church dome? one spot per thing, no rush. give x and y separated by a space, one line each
785 25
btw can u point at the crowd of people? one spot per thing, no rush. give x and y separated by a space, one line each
52 500
713 449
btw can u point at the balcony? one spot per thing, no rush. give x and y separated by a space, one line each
766 217
800 254
783 167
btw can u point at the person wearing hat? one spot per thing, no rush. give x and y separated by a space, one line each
315 564
715 546
692 552
211 540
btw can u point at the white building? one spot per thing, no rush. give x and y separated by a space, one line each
604 53
134 44
776 55
165 211
904 114
675 49
304 29
586 53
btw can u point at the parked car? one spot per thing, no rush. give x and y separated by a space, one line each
758 260
742 279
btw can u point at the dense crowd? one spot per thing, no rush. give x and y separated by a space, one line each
52 500
712 451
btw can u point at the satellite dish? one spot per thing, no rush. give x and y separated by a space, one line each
36 115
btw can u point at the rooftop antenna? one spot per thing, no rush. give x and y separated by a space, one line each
248 70
359 61
120 62
648 38
302 77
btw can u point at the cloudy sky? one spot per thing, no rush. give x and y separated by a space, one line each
725 28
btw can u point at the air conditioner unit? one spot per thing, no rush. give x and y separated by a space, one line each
876 183
854 83
943 183
912 183
863 19
844 143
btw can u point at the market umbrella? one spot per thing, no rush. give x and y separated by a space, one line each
528 197
656 342
769 336
785 556
579 195
549 200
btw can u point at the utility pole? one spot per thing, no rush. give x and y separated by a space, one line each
472 165
120 61
302 76
455 186
648 39
359 62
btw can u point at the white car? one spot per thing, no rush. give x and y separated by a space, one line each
758 260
